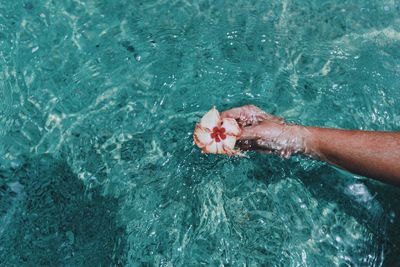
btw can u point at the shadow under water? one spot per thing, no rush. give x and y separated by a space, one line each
51 219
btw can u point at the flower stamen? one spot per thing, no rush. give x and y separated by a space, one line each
218 134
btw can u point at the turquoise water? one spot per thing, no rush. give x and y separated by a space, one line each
98 101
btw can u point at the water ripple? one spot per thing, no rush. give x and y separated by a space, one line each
105 95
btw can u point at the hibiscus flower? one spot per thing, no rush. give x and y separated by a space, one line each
215 135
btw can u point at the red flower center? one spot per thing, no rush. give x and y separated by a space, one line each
218 134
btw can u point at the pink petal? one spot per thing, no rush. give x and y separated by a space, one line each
231 126
201 136
210 119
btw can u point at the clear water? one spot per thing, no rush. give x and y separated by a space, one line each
98 100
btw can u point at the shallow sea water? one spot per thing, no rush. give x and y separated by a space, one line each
98 101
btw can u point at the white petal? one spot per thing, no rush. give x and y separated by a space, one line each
231 126
215 148
201 136
210 119
220 148
211 148
229 142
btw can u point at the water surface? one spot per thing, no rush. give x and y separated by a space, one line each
98 101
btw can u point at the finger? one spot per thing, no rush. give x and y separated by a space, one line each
234 113
260 115
245 115
241 111
250 115
237 114
273 118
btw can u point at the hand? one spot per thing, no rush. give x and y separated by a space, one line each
266 133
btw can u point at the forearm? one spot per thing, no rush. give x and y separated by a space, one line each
372 154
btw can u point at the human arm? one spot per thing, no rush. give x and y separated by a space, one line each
372 154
